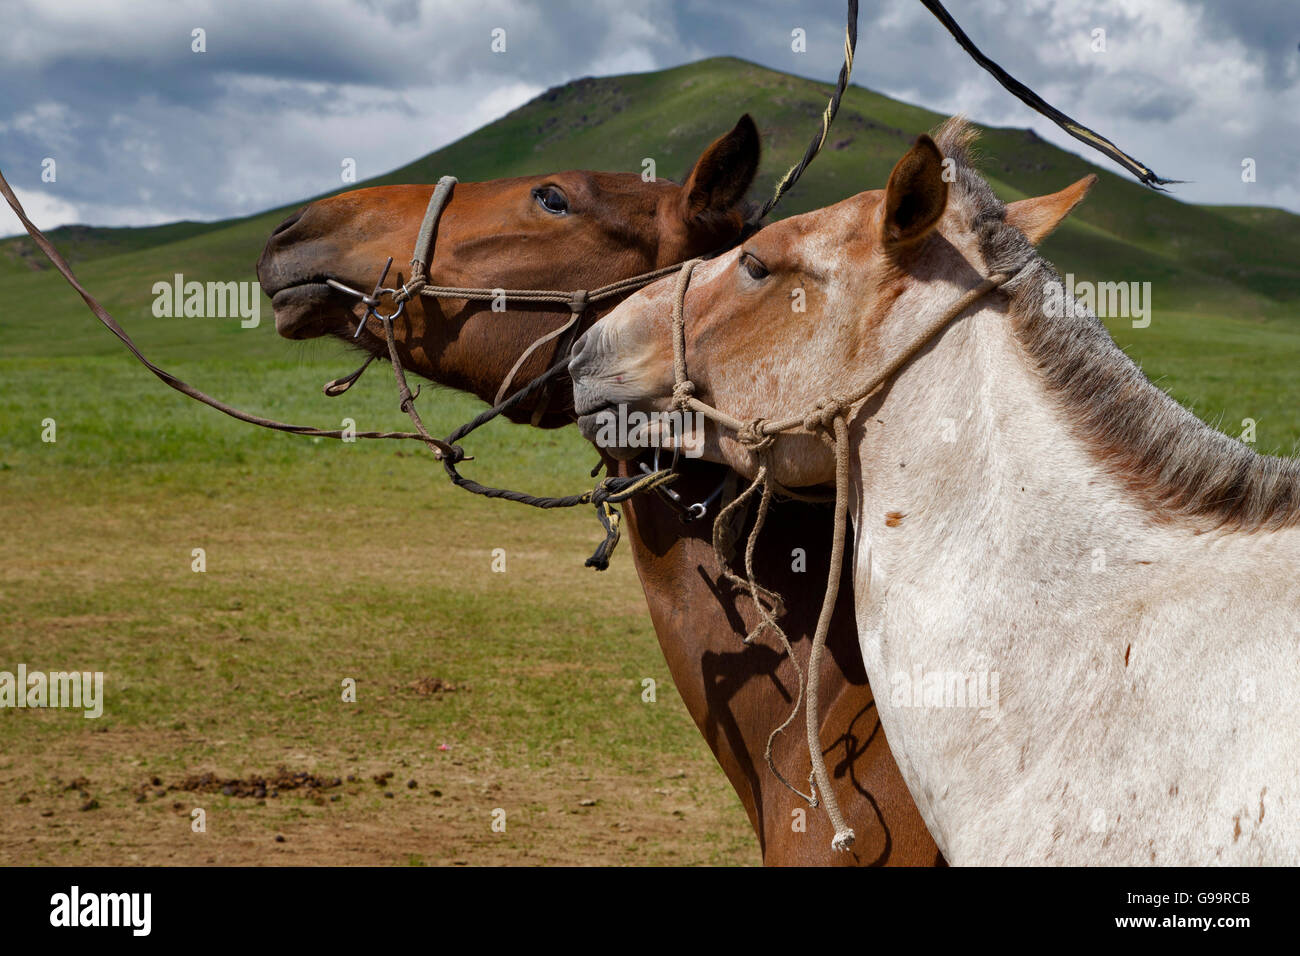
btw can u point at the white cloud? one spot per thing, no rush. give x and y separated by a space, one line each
145 130
1181 93
47 211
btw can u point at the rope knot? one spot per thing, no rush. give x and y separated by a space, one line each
751 434
601 493
409 291
824 414
683 392
406 399
579 301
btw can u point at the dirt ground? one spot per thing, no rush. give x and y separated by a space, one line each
365 817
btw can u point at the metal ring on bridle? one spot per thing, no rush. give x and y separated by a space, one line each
371 310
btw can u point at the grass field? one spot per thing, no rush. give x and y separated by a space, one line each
324 561
328 561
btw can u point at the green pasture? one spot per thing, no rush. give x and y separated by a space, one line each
324 561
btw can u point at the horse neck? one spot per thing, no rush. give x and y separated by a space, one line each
1008 568
970 482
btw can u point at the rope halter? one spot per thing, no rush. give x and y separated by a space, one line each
829 418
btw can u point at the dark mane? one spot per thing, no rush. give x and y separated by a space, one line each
1175 464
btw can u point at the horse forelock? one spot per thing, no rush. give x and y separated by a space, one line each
1176 465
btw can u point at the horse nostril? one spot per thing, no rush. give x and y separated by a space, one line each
576 354
288 223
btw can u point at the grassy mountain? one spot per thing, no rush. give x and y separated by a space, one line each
612 123
1224 278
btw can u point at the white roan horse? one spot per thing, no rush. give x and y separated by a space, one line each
1081 604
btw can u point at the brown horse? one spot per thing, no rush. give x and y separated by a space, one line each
578 230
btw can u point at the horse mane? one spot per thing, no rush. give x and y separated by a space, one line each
1177 466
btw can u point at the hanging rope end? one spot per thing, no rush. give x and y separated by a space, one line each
1158 183
611 521
448 452
843 840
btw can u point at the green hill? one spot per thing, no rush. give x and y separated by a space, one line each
1238 259
1225 279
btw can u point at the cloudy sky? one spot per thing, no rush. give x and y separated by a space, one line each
145 130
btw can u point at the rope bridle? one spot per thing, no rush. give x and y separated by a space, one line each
578 301
610 490
828 418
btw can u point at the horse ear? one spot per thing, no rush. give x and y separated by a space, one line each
724 172
916 196
1037 217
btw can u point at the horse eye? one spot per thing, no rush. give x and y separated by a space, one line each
551 199
755 268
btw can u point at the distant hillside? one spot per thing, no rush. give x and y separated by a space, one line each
1237 262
